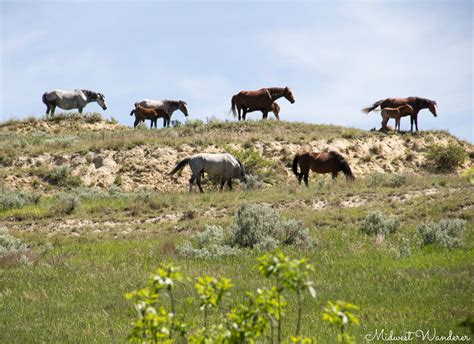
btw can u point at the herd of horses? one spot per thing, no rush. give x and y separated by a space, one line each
225 165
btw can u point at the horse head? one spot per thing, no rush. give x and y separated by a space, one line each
101 101
432 107
182 106
288 95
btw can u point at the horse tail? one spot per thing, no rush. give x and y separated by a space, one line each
44 98
233 108
179 166
133 111
344 165
242 168
294 166
374 105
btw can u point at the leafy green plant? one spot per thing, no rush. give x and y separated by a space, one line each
17 199
341 314
246 322
445 159
60 176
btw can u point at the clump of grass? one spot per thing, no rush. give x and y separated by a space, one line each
253 182
17 199
446 233
9 244
376 223
60 176
445 159
64 204
94 117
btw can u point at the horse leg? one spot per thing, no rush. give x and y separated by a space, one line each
416 122
191 181
306 178
239 109
265 114
244 113
53 107
222 184
300 177
80 110
334 175
198 182
136 122
229 182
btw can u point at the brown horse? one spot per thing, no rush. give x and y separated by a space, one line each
416 103
260 100
275 109
141 114
320 162
397 113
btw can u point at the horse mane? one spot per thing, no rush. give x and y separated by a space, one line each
90 94
276 91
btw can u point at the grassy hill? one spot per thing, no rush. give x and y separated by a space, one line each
90 201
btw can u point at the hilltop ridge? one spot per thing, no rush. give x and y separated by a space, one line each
102 153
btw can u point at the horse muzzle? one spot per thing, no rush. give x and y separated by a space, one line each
104 107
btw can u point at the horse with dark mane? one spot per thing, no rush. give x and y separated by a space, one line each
275 109
320 162
141 114
68 100
416 103
260 100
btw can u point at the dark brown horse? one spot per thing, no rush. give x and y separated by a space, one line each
275 110
260 100
416 103
320 162
141 114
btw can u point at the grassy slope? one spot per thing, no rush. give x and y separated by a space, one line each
74 292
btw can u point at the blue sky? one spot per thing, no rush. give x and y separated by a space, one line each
336 56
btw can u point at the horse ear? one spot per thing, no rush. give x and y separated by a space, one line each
286 88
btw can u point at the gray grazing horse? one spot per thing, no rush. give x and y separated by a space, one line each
168 106
224 165
68 100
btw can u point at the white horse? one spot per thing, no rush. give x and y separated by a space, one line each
224 165
68 100
168 106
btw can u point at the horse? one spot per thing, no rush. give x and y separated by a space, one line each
261 100
169 106
141 114
68 100
224 165
397 113
320 162
275 109
416 103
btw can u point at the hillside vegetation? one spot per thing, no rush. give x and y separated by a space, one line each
87 213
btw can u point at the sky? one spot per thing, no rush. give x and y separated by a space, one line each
336 56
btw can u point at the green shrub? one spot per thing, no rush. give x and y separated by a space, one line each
251 159
393 180
9 244
253 182
376 223
445 159
259 226
210 243
61 176
446 233
64 204
17 199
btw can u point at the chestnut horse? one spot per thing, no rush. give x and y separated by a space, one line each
275 109
141 114
260 100
320 162
416 103
397 113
